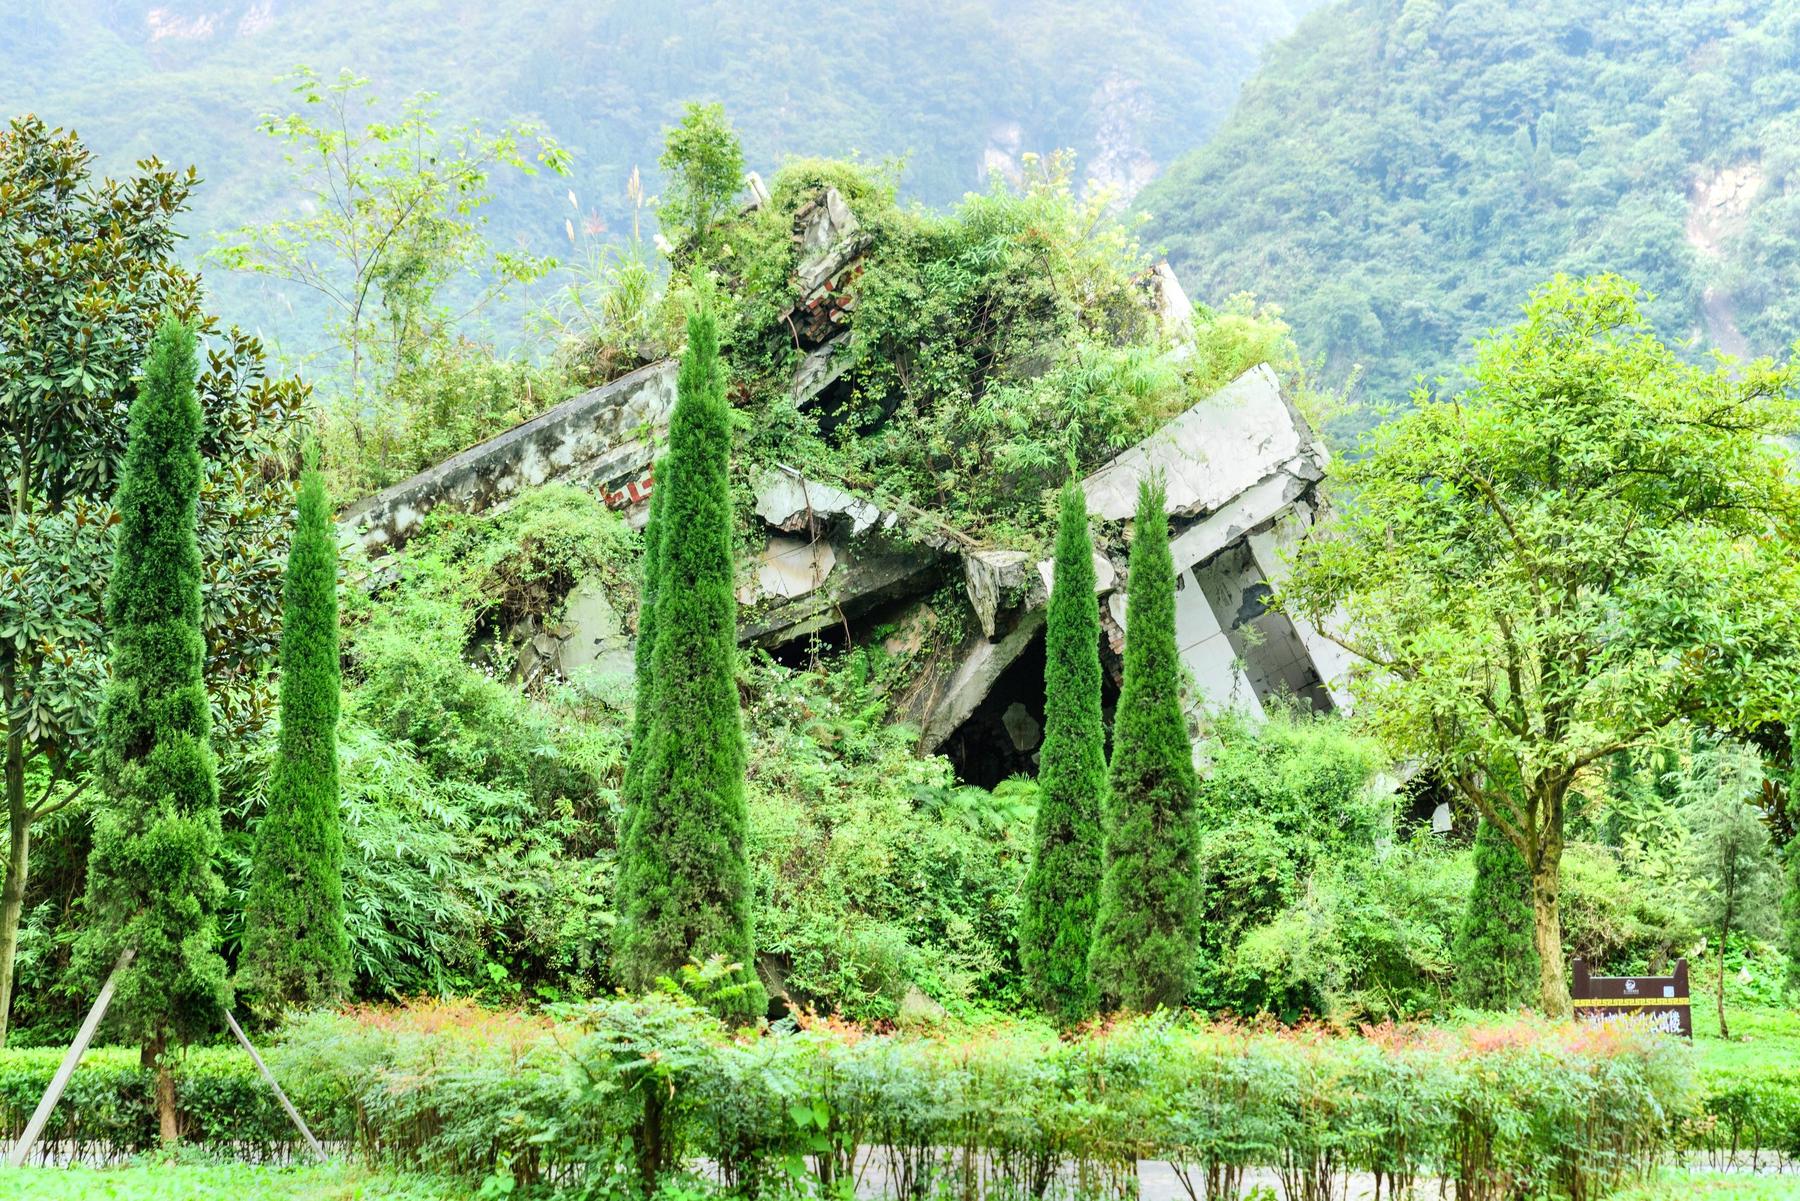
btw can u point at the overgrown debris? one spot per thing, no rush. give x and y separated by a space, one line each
839 568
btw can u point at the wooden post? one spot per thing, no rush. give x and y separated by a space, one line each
60 1081
292 1113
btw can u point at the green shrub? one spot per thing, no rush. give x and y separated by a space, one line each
606 1096
628 1090
1496 959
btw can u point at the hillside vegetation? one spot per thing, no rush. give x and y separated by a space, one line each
955 87
1399 174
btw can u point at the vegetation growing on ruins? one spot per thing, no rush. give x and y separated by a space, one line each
535 911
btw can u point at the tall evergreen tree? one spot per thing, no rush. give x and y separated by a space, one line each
152 886
1062 889
684 893
644 699
295 948
1496 959
1148 923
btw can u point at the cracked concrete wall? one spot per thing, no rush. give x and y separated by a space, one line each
592 439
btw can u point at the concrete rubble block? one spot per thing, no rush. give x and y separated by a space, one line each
791 565
821 368
1213 452
591 638
995 580
959 678
1106 576
790 502
1021 727
860 580
599 426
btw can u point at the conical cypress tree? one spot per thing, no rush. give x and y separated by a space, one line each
152 887
295 948
644 700
1496 958
685 889
644 691
1063 886
1148 923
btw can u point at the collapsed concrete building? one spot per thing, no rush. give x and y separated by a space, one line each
838 568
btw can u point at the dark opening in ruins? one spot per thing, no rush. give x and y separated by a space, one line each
1002 738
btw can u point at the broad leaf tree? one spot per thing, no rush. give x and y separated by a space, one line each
87 267
392 237
1593 540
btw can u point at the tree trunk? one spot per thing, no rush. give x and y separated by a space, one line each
1724 1031
1546 909
155 1055
12 894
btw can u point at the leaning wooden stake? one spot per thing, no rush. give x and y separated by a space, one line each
292 1113
60 1081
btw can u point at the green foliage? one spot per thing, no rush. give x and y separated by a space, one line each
1542 570
392 235
152 884
456 394
1735 869
1368 938
294 948
474 811
703 171
939 83
991 346
1790 909
1148 920
1397 175
1056 925
656 1082
877 876
684 893
1496 963
89 270
643 700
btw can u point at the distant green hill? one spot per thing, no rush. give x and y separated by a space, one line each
1400 172
956 86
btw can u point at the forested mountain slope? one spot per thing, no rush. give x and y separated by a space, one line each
958 87
1401 172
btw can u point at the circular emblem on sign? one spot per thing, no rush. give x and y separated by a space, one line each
1631 986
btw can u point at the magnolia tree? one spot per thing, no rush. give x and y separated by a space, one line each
1594 540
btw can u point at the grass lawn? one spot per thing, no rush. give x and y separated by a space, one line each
214 1182
1679 1186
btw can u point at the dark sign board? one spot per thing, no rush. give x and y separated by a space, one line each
1662 999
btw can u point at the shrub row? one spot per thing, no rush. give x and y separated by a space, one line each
108 1112
627 1096
1746 1113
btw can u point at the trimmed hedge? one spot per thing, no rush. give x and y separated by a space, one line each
108 1112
